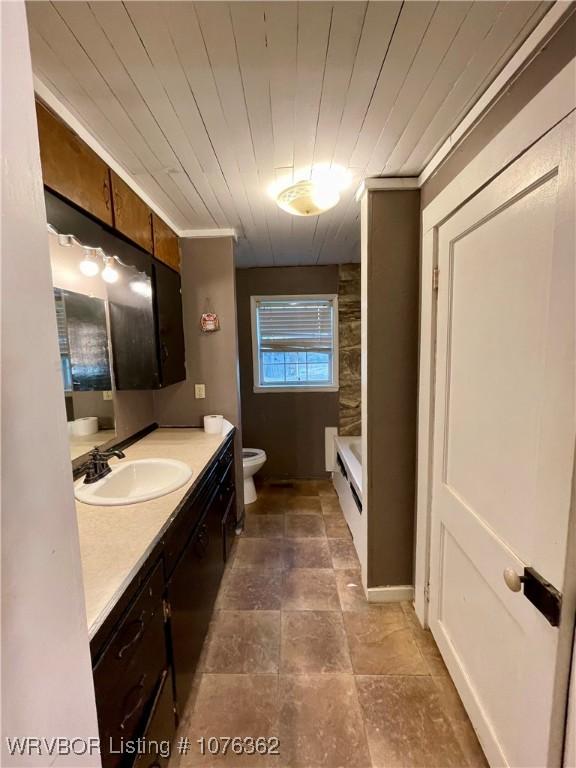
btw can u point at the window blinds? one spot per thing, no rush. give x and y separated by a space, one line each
294 326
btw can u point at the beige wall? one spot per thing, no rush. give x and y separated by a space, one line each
390 313
289 426
47 687
93 404
208 284
208 279
133 411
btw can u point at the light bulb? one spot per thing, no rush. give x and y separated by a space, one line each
109 274
89 265
325 195
142 288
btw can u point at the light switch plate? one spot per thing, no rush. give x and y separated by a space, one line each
107 394
199 391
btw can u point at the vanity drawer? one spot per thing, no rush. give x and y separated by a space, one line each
130 633
227 456
187 520
124 705
161 726
225 490
229 523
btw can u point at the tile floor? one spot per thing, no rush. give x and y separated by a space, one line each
295 652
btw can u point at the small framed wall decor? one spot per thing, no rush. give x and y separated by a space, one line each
209 322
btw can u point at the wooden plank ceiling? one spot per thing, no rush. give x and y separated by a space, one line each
206 104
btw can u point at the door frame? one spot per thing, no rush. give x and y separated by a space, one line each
438 212
549 107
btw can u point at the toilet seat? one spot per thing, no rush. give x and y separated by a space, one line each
252 456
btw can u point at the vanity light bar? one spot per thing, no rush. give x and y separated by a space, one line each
90 260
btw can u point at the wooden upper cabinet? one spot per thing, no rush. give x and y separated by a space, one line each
71 168
132 216
166 248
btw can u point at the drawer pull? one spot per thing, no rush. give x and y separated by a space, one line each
202 541
137 689
137 636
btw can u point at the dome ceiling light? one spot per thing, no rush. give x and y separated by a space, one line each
312 196
307 198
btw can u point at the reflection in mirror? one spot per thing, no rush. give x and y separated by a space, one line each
106 322
84 341
85 361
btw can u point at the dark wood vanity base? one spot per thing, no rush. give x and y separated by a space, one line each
145 653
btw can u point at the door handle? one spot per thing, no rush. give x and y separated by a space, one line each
513 580
543 595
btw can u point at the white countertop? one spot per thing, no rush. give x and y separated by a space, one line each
115 541
82 444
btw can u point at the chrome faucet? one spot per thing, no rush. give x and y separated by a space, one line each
97 465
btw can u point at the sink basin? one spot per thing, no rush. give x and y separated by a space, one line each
133 481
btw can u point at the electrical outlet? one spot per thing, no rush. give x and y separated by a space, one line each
199 391
107 394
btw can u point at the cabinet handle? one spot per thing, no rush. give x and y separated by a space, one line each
137 636
129 715
202 540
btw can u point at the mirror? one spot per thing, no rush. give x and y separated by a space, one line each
85 352
106 324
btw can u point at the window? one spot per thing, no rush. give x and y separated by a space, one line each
295 343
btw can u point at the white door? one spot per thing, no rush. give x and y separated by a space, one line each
504 428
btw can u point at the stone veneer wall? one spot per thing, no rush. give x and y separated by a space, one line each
350 398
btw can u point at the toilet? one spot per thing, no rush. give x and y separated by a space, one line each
252 460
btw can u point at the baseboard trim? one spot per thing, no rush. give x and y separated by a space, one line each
390 594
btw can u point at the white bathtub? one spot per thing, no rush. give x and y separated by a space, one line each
349 449
347 479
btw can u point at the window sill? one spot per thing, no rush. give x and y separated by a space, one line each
270 390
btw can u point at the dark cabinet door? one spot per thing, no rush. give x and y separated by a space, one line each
192 591
123 704
160 728
168 298
133 346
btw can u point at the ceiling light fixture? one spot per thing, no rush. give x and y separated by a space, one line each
306 198
314 195
89 265
109 273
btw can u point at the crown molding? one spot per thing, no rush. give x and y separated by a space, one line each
223 232
386 182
